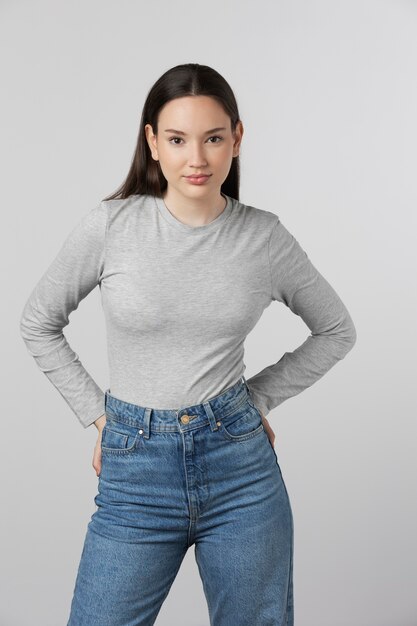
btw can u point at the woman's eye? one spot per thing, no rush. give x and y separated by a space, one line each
173 139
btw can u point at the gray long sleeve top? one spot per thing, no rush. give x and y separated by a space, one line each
178 302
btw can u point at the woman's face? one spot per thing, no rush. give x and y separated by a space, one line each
194 137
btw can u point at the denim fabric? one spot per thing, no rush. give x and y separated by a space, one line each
206 475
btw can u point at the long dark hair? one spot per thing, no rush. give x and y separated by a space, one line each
190 79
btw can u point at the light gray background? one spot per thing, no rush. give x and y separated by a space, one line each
328 96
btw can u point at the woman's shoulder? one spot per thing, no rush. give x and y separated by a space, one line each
123 208
133 200
262 217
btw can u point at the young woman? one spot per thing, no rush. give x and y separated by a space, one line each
185 452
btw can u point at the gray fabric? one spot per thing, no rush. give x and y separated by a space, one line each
178 303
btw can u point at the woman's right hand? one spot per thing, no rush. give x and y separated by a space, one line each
99 423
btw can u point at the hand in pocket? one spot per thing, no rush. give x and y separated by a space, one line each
97 455
100 423
269 431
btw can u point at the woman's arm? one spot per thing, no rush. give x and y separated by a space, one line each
74 272
300 286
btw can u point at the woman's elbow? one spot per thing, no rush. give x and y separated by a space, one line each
349 336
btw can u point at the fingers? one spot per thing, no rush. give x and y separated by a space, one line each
97 457
269 431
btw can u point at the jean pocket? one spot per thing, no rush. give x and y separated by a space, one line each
118 437
243 425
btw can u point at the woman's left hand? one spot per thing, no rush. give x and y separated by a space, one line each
269 431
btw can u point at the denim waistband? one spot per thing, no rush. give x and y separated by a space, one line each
185 418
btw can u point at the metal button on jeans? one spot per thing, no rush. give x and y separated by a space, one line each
187 418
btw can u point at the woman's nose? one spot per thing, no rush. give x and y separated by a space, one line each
197 157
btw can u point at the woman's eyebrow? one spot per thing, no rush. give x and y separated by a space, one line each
180 132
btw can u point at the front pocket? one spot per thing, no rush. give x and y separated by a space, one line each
245 424
118 437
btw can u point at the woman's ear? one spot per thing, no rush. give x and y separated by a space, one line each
152 143
238 134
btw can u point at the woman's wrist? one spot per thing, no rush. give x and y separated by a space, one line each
100 421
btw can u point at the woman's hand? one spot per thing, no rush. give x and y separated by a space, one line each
99 423
269 431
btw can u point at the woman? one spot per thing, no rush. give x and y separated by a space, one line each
184 452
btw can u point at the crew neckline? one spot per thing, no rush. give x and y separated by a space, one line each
194 230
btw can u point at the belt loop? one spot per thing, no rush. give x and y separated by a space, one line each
210 415
105 399
246 384
248 391
146 422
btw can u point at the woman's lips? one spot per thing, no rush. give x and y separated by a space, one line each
197 180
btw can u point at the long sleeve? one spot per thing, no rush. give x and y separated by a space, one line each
74 272
299 285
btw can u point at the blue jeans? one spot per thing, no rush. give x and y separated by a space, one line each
205 475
